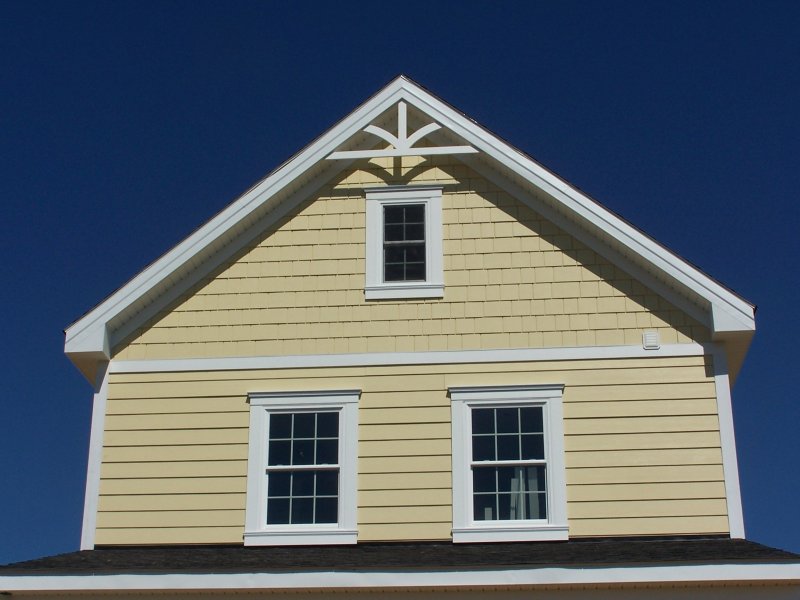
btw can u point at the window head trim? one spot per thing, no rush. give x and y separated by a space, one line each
376 288
344 531
465 527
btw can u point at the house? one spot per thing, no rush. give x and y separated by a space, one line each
412 360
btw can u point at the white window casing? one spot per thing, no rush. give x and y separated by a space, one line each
465 527
262 405
433 284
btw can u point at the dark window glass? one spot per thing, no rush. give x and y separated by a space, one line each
302 495
404 242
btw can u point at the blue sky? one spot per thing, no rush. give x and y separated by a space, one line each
124 126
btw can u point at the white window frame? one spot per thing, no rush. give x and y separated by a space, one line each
467 529
257 532
433 285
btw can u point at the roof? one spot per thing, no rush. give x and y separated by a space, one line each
91 339
594 552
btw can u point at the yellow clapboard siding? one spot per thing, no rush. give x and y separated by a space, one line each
403 447
422 431
626 458
406 399
163 502
413 497
390 481
584 410
187 485
646 491
650 474
153 406
394 416
393 464
177 421
295 375
649 391
647 508
642 441
173 453
175 437
405 514
199 468
172 518
640 425
169 535
404 531
648 526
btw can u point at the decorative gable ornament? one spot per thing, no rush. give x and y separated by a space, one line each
402 142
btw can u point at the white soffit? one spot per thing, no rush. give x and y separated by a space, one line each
90 339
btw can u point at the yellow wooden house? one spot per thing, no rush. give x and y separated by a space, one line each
411 360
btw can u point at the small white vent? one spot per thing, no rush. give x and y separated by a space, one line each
650 340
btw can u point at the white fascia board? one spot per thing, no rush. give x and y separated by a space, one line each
90 332
739 313
403 579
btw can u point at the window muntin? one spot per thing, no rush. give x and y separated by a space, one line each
508 464
303 468
404 242
301 477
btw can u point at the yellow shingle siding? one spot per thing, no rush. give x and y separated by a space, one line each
512 280
641 438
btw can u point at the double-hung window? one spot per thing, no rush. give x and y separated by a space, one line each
301 468
404 242
508 464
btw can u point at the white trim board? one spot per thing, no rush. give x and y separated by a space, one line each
403 579
404 358
87 340
92 492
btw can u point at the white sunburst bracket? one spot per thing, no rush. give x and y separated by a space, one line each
402 142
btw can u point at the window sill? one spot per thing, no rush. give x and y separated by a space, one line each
300 537
404 290
515 533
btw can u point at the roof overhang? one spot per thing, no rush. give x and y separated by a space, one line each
91 339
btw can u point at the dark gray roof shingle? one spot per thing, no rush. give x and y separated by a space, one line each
406 556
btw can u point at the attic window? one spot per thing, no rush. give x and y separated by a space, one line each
404 243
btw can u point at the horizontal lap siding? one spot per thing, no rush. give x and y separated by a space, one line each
641 439
512 280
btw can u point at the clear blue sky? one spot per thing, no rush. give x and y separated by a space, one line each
123 126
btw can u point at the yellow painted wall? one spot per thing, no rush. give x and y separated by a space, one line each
513 280
642 448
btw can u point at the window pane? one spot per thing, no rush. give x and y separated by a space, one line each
302 510
532 419
394 272
393 233
484 479
327 452
280 426
533 446
328 424
483 420
414 253
507 447
303 483
415 232
277 511
280 453
536 505
484 507
507 420
504 507
304 425
483 447
279 484
326 510
393 214
303 452
327 483
415 272
414 213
